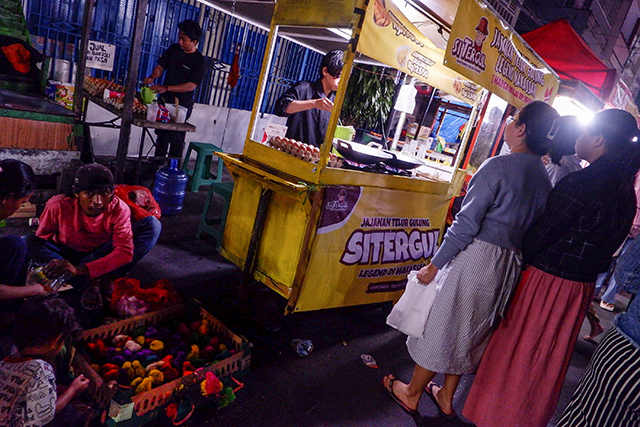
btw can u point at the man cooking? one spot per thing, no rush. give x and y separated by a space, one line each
185 68
307 105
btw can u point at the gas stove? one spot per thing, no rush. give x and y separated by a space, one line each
375 168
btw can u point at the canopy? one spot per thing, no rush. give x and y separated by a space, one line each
568 54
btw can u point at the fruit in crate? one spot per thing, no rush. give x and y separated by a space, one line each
152 356
95 86
306 152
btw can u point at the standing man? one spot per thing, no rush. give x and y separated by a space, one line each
185 69
308 105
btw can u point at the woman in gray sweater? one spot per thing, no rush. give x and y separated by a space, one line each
478 263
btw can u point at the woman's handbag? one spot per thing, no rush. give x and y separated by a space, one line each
411 312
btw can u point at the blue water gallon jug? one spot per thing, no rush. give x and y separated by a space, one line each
169 188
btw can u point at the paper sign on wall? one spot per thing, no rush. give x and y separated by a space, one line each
101 55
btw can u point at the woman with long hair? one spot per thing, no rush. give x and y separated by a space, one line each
587 216
478 263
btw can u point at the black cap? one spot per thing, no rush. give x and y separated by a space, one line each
92 177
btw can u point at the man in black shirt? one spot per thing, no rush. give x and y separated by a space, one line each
308 105
185 68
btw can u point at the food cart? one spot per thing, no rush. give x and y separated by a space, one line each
323 236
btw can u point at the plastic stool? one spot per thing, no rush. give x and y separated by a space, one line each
201 175
224 189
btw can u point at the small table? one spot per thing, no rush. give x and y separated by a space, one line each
138 120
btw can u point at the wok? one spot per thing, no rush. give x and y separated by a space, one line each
365 154
402 160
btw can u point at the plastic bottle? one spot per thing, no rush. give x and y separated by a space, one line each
169 188
302 347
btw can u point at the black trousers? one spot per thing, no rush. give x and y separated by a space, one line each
171 140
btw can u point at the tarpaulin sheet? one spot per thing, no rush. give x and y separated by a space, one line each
568 54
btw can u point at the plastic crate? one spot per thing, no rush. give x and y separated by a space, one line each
121 403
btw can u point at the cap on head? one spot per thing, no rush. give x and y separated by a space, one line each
482 26
92 177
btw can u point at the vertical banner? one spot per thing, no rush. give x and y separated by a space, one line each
389 37
488 51
368 240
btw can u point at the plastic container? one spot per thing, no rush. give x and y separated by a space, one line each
344 132
169 188
152 111
180 116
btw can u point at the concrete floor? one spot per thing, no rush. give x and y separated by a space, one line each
331 387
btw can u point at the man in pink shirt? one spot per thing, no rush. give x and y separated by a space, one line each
88 232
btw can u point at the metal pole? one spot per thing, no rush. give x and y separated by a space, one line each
130 90
87 23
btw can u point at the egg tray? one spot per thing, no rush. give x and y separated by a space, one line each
105 396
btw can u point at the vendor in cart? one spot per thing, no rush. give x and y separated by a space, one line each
308 105
185 67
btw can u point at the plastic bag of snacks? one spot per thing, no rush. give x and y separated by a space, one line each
163 114
139 199
130 299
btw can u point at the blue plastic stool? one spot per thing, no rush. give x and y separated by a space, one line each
200 175
224 189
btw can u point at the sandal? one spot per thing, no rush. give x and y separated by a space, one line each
429 390
387 383
606 306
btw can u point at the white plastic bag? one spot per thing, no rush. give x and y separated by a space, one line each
410 313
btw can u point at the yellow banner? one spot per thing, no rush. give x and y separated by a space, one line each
315 13
368 240
485 49
389 37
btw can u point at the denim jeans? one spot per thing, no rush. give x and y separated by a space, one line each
13 261
627 274
145 235
612 286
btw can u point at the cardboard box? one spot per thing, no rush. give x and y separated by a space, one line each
126 409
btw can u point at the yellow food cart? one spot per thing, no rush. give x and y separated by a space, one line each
322 236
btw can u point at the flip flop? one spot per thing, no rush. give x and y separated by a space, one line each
389 388
429 390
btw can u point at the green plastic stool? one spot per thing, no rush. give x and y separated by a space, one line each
224 189
200 175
